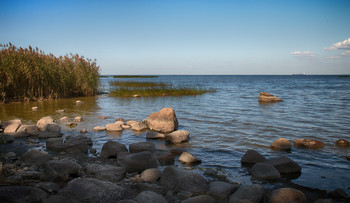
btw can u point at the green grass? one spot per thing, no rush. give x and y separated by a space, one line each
135 76
138 84
158 91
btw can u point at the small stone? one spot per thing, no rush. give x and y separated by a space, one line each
308 143
78 119
281 144
135 95
252 157
189 158
83 131
265 171
150 175
35 108
79 102
177 137
267 97
64 119
102 117
61 111
342 143
285 195
154 135
71 124
113 127
99 128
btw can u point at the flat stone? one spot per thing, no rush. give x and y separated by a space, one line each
177 137
221 190
113 127
248 193
308 143
252 157
281 144
267 97
189 158
49 134
98 128
265 171
142 146
74 145
285 195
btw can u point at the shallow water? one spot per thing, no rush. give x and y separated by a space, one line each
224 124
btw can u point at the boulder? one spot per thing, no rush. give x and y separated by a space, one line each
22 194
111 149
5 124
221 190
98 128
93 190
285 195
267 97
285 165
177 137
308 143
105 172
138 162
248 193
12 127
138 126
142 146
150 196
265 171
179 179
78 119
43 121
54 127
163 121
252 157
150 175
200 199
154 135
113 127
73 145
5 138
32 130
281 144
49 187
342 143
189 158
35 157
61 170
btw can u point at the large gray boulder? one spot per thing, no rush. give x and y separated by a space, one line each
285 195
179 179
221 190
164 121
150 196
248 193
265 171
138 162
61 170
142 146
22 194
93 190
5 138
252 157
74 145
105 172
111 149
32 130
177 137
35 158
284 165
267 97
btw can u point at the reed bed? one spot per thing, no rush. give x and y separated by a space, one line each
138 84
135 76
30 74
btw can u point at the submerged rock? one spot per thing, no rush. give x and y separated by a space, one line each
163 121
308 143
285 195
177 137
342 143
98 128
154 135
252 157
281 144
142 146
267 97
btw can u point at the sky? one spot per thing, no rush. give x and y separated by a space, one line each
162 37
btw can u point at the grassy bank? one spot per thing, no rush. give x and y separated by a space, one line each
151 89
30 74
135 76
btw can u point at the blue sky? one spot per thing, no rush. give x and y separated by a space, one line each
187 37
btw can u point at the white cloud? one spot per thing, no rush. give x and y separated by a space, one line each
340 45
346 53
334 57
302 53
342 55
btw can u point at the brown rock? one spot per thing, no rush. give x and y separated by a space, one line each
113 127
267 97
98 128
43 121
188 158
164 121
285 195
177 137
281 144
78 119
342 143
308 143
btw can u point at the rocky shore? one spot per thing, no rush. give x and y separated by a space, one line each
71 170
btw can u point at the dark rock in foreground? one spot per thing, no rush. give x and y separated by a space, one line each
265 171
21 194
248 193
111 149
138 162
252 157
150 196
285 165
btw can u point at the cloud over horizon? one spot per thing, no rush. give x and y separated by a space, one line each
302 53
340 45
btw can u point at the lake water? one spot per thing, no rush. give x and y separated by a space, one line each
224 124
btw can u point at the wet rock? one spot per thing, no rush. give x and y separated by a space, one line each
102 117
35 108
252 157
113 127
342 143
35 158
281 144
49 134
119 122
43 121
126 126
138 162
189 158
267 97
61 111
154 135
21 194
11 126
61 170
33 175
32 130
98 128
93 190
177 137
285 195
78 119
265 171
83 131
5 138
163 121
138 126
111 149
49 187
5 124
200 199
150 196
165 158
308 143
64 119
248 193
71 124
221 190
150 175
178 179
142 146
284 165
338 193
105 172
73 145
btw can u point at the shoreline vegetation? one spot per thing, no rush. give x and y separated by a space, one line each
29 74
151 89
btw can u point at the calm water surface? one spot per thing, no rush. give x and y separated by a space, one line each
224 124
